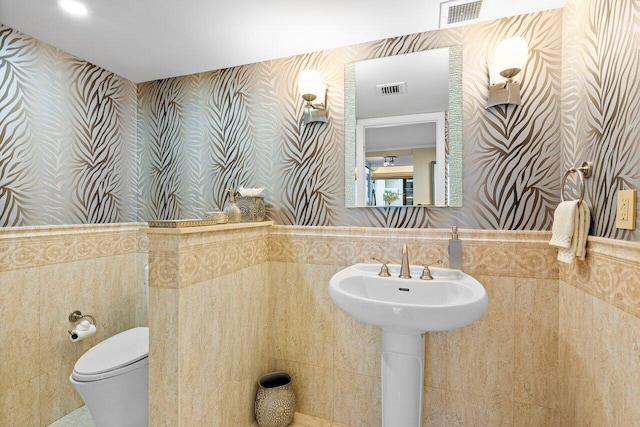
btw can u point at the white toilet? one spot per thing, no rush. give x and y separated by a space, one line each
113 379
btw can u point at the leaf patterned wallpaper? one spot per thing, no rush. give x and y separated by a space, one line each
70 150
601 103
67 138
242 126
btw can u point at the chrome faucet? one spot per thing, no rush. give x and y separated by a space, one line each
405 270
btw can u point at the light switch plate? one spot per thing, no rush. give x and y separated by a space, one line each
626 211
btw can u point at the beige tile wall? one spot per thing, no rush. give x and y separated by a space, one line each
501 370
208 323
544 354
45 273
599 336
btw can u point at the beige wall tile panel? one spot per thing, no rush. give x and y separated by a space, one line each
141 290
464 409
480 356
629 360
436 360
102 287
575 318
302 313
57 395
434 407
356 345
65 288
599 358
313 386
534 416
231 410
205 342
536 342
20 405
217 334
19 327
164 342
605 366
357 399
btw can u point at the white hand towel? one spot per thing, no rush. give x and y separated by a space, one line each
578 248
565 219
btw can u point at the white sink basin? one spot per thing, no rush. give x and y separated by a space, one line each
451 300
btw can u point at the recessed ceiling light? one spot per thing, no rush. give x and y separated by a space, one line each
73 7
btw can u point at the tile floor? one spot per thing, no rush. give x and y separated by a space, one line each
78 418
82 418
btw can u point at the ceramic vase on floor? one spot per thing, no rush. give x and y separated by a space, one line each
275 402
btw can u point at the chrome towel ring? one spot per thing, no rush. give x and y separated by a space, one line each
584 171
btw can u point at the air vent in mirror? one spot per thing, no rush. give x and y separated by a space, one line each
391 88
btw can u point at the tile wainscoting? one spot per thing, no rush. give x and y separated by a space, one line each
262 295
557 346
208 323
501 370
46 273
599 336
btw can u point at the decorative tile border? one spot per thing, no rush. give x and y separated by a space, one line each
28 247
500 253
610 273
181 260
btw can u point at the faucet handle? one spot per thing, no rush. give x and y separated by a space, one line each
384 270
426 273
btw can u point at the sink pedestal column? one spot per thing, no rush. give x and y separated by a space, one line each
402 363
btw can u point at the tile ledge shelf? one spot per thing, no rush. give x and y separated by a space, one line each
622 250
206 228
68 229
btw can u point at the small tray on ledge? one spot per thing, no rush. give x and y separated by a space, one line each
177 223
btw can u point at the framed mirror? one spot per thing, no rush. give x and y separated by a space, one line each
403 130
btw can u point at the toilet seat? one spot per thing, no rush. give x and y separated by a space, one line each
114 356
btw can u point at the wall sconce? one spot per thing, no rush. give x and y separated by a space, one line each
509 58
314 92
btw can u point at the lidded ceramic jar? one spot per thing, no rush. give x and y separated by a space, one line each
275 402
252 208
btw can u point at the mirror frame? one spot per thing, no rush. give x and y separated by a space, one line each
454 134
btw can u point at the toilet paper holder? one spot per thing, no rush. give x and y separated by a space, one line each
83 329
76 316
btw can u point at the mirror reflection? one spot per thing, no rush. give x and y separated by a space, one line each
402 111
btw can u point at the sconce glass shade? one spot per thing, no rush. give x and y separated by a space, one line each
314 92
310 86
510 56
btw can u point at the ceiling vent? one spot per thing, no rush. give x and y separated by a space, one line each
391 88
456 12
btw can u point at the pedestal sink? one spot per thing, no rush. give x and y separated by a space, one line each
406 309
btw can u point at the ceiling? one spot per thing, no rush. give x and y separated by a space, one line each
144 40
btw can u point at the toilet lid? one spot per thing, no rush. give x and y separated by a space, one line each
120 350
